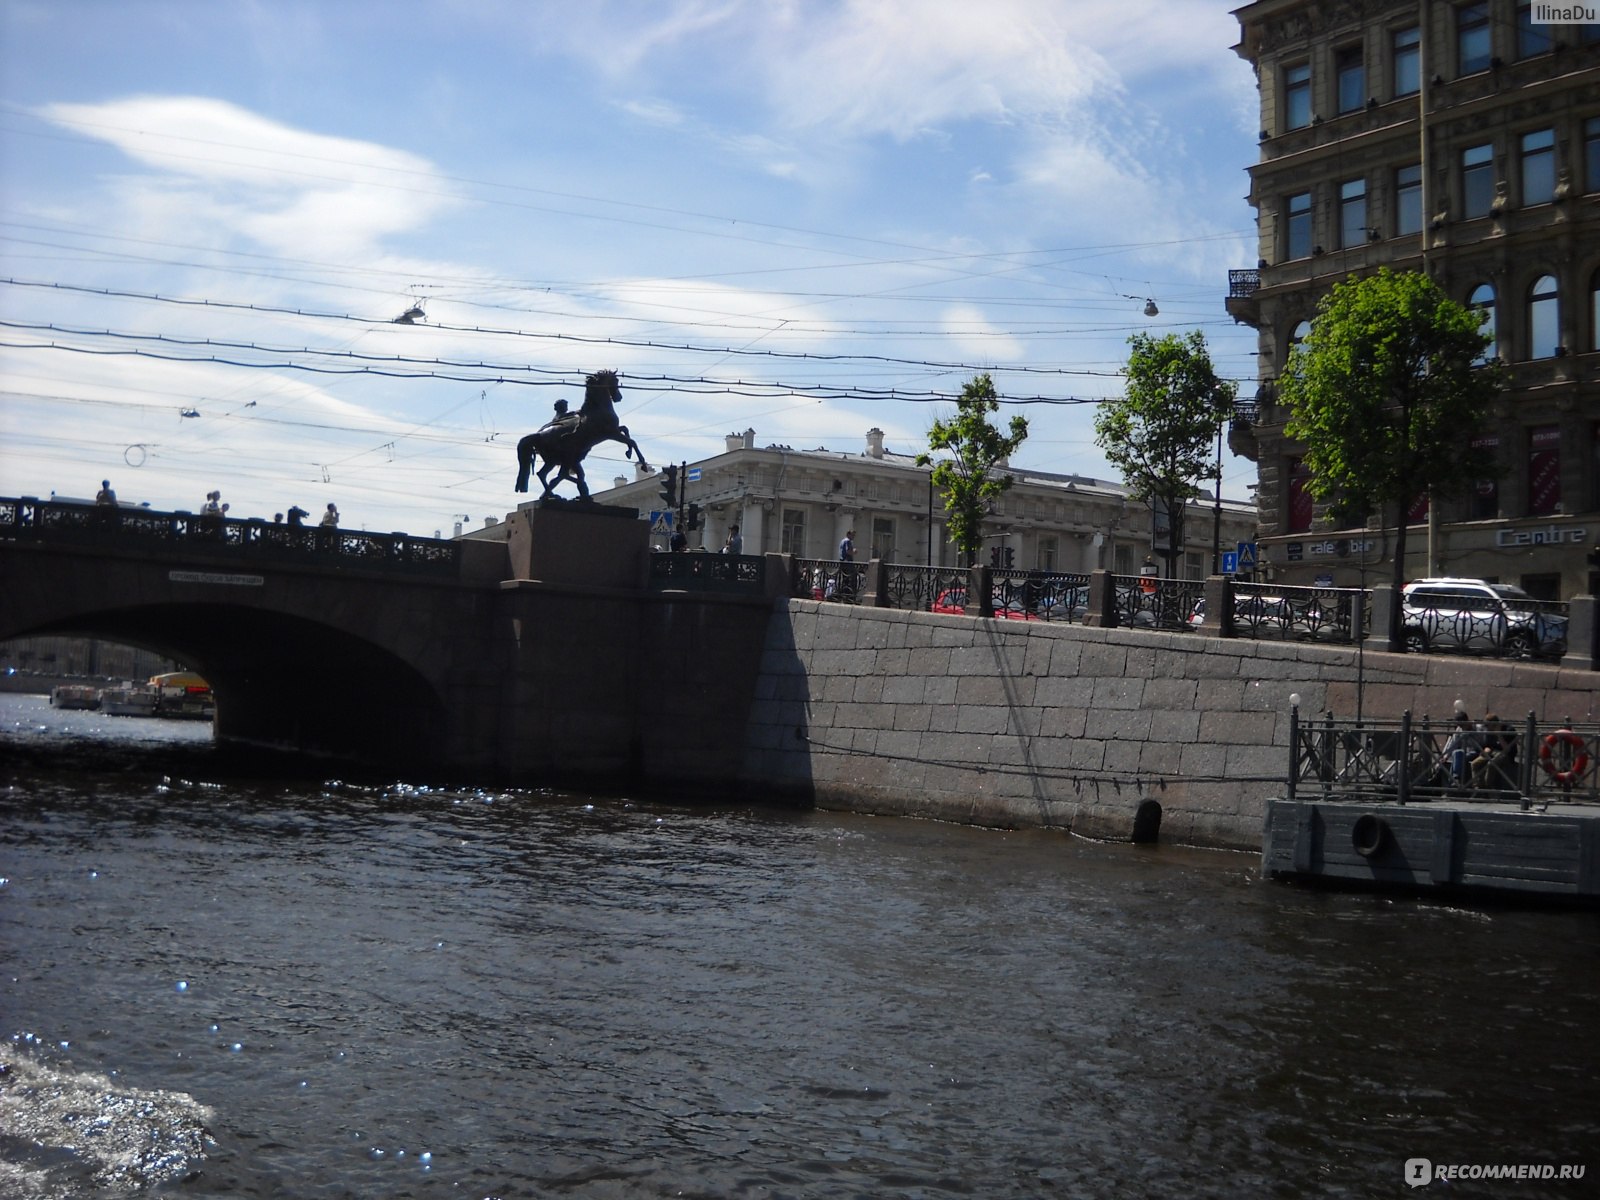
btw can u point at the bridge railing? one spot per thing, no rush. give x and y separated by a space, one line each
698 572
224 538
1530 762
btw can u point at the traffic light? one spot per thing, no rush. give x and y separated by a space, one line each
693 521
994 556
669 487
1009 557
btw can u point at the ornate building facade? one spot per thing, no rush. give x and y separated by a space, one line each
802 502
1462 140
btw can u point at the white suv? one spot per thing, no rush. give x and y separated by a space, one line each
1481 618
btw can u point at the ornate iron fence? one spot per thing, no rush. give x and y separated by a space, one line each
828 579
1297 613
228 538
923 588
1410 760
1041 595
1143 602
696 572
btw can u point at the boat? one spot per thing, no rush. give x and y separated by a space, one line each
74 695
183 694
129 700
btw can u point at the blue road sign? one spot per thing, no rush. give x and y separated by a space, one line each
694 475
1230 562
661 521
1247 556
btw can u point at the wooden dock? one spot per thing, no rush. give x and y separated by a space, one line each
1445 845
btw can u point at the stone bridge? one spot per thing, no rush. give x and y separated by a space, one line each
567 654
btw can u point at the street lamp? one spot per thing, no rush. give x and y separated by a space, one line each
1216 512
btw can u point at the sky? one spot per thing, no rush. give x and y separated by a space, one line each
809 218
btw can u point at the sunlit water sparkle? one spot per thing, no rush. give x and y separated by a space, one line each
249 986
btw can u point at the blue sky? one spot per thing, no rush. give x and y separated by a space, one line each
763 213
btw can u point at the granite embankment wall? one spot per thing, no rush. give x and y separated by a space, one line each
1015 724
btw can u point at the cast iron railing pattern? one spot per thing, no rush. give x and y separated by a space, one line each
1262 611
1473 623
224 538
1529 763
742 573
828 579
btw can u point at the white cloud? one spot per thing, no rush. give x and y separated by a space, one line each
290 190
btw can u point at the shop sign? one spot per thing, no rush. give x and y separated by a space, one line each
1342 546
1550 535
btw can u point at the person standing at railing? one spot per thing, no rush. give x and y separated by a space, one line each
105 495
847 572
735 543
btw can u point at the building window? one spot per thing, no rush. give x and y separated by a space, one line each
1408 199
1297 226
1531 39
1352 213
1473 50
1544 470
1482 299
1591 150
1049 548
1544 325
1486 492
1298 503
1299 334
1594 312
1539 166
1297 96
1477 181
1352 76
1407 61
792 539
883 538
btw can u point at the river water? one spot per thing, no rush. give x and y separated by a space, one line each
227 984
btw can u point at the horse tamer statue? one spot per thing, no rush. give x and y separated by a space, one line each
566 440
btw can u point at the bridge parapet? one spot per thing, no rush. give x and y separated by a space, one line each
225 538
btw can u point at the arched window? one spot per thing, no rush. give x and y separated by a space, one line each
1544 325
1482 301
1301 332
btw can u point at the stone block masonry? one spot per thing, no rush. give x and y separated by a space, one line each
1024 723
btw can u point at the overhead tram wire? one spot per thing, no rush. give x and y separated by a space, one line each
681 385
583 339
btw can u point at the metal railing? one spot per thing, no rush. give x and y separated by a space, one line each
1474 623
1145 602
1244 282
700 572
227 538
921 589
1411 760
1262 611
828 579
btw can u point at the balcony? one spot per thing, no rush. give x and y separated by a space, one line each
1242 288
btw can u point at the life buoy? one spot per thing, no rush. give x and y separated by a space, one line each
1579 761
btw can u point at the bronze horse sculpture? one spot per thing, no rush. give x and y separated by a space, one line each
566 440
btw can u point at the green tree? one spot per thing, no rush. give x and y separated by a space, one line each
966 478
1386 394
1159 434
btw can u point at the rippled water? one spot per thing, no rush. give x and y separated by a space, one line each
227 985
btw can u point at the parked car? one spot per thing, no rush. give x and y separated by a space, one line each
1479 617
954 600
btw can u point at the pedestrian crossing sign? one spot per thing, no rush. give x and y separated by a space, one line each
661 520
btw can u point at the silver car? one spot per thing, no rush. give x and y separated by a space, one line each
1477 617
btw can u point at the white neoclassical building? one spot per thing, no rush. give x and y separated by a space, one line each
802 502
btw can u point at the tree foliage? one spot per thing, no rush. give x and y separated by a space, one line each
1160 433
974 446
1386 394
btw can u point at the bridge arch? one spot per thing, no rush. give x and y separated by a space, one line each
281 679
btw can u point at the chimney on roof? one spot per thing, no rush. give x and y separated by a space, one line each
874 443
640 471
619 481
732 442
749 439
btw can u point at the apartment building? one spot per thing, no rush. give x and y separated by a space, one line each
801 502
1463 140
